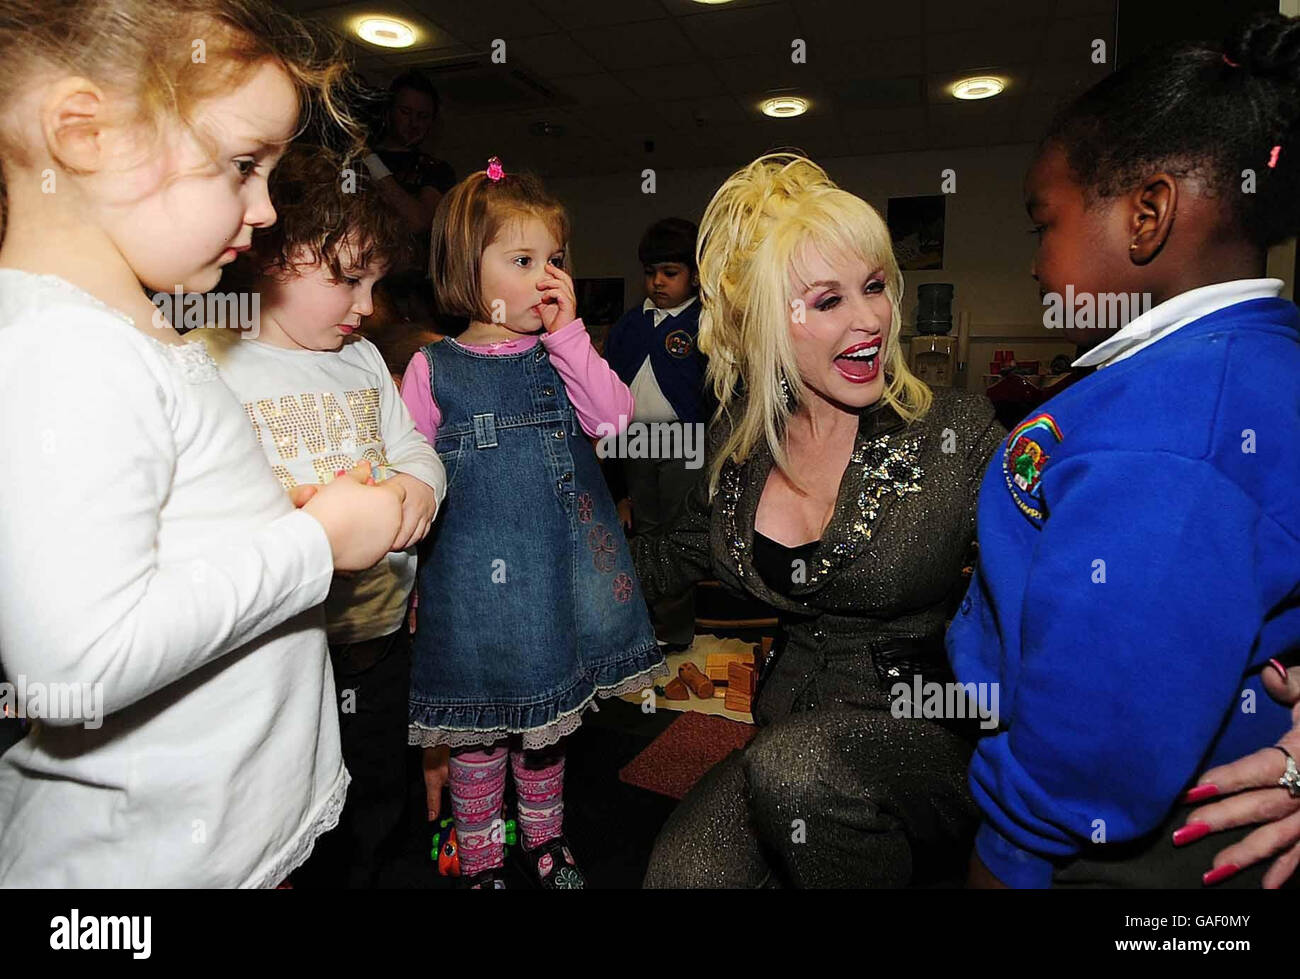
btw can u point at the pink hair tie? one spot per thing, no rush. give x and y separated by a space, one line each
1273 155
494 170
1229 62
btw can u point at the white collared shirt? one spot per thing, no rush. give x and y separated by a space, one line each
648 399
662 314
1173 314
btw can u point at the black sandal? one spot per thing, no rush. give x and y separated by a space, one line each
553 867
492 879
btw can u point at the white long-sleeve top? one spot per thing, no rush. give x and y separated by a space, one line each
316 412
145 546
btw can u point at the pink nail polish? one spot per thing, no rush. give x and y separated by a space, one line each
1218 874
1201 792
1191 833
1281 670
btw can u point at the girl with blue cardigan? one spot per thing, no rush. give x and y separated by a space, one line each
1140 537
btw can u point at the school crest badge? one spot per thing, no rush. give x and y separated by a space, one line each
679 343
1024 455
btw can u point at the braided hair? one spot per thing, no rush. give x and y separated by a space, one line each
1219 114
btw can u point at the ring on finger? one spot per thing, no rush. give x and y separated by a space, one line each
1290 779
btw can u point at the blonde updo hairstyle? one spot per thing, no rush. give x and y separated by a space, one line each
752 238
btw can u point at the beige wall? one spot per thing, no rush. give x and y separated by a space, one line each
987 251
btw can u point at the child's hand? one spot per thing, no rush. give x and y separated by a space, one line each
299 495
559 307
435 762
360 521
625 513
419 505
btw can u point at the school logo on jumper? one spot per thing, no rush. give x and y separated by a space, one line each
679 343
1023 458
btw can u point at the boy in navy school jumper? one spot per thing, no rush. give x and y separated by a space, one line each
653 348
1140 536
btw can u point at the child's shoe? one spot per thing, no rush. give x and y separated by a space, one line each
553 866
492 879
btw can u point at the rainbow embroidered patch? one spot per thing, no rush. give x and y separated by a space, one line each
1023 457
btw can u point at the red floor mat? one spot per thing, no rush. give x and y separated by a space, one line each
687 748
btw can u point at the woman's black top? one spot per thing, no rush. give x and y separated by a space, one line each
775 563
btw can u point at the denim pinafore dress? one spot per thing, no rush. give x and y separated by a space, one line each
529 605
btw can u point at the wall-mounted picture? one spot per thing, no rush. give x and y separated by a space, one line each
916 225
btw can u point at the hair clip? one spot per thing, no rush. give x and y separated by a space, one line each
494 170
1229 62
1273 155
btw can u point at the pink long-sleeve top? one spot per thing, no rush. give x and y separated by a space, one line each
599 396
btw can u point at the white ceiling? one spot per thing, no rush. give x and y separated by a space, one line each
612 74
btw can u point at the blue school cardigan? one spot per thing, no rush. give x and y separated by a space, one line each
1139 565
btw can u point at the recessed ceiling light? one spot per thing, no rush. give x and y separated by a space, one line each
984 87
784 107
386 32
713 1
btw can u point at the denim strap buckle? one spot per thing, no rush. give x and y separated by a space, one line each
485 431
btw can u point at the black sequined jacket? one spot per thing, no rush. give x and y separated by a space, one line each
888 565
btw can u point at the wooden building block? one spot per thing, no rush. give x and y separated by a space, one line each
740 676
740 702
715 664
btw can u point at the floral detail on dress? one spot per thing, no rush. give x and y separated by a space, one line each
604 550
568 879
622 588
888 467
729 492
584 507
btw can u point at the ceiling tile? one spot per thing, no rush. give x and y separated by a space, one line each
830 22
672 81
1073 40
901 56
761 73
860 122
550 55
700 115
978 50
627 46
976 15
575 14
769 31
598 89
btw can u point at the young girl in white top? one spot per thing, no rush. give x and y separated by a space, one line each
151 565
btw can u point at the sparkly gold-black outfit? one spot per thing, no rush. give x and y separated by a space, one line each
834 790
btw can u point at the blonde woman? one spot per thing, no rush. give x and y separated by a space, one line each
841 491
